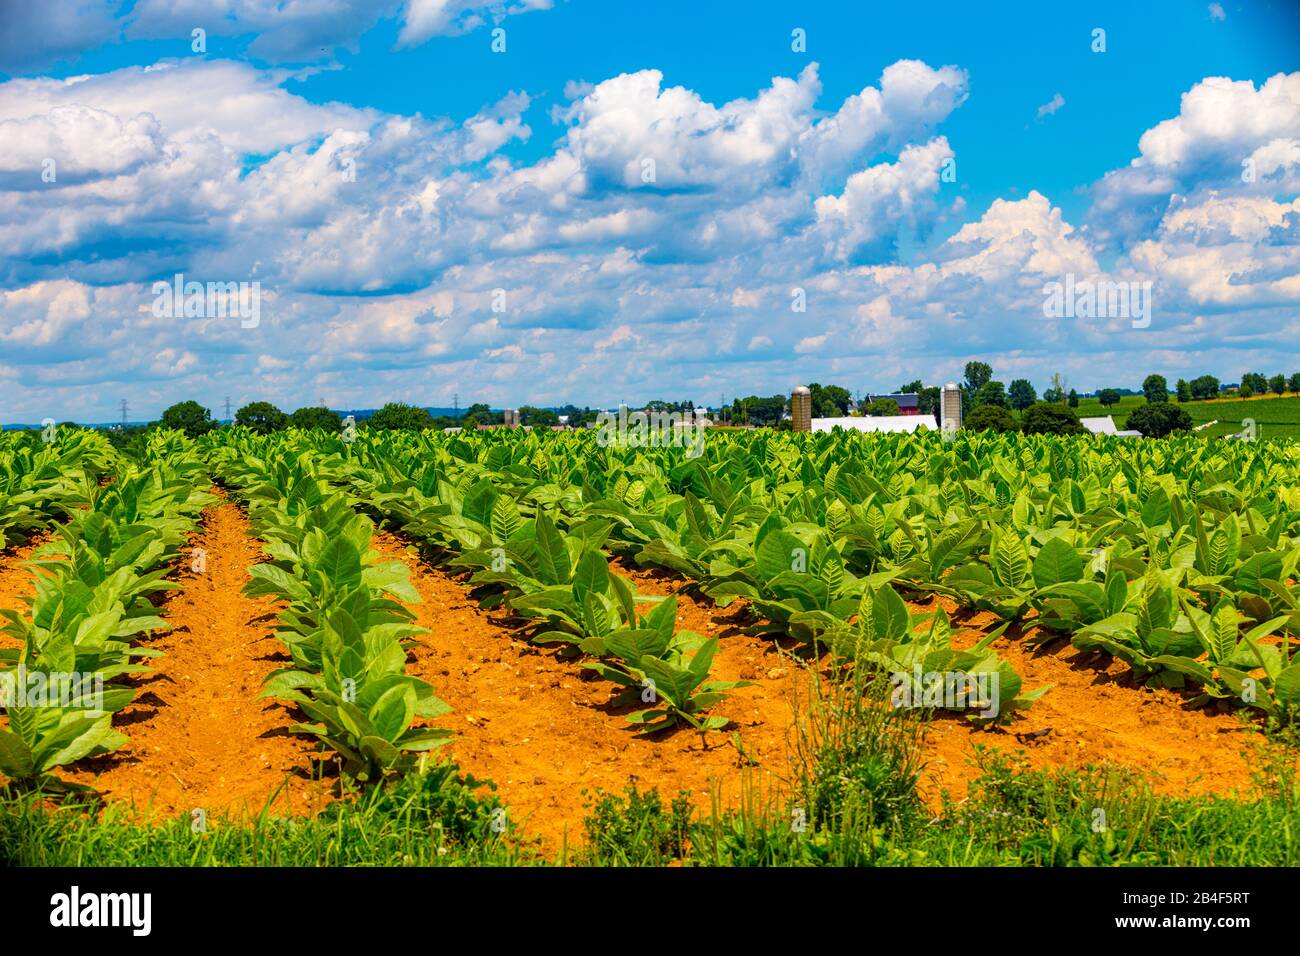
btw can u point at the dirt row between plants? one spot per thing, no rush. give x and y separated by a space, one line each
1093 715
543 730
16 582
200 737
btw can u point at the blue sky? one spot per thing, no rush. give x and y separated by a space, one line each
776 170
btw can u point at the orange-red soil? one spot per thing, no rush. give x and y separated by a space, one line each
1094 714
542 729
16 581
200 737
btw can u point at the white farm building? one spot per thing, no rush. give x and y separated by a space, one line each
876 423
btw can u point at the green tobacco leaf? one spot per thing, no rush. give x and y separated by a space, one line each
779 553
1286 686
1256 570
591 576
15 757
393 712
552 554
479 501
340 563
1057 562
1156 510
1010 561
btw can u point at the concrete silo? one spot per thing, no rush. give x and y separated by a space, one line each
801 409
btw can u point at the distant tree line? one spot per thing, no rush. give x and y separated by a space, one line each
984 399
263 417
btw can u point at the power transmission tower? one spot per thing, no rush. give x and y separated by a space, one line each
227 408
455 404
124 410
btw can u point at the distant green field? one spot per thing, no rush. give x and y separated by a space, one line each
1274 417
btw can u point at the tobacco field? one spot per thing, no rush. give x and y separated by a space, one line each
508 646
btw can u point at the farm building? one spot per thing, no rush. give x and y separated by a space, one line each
1105 425
909 403
877 423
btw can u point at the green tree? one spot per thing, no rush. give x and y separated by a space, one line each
537 417
991 393
1205 387
881 406
1245 391
1184 390
189 417
1255 381
830 401
1277 384
1294 383
316 416
1022 394
400 416
129 439
1074 398
927 400
1050 418
764 411
990 418
481 414
1108 396
977 374
261 417
1159 419
1155 388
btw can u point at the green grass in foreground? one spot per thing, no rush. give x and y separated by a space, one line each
855 803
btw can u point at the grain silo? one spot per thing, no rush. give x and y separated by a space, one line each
801 409
950 408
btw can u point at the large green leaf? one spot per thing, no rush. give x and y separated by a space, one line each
1057 562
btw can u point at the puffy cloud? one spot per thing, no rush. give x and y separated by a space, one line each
34 35
912 99
424 19
72 144
396 252
630 132
1228 135
876 200
301 31
247 108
